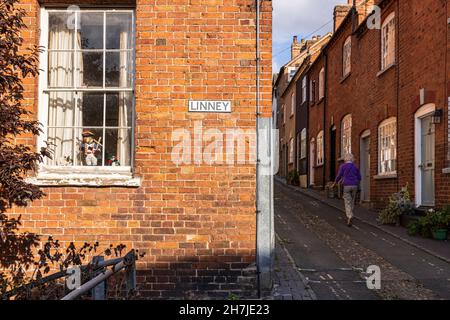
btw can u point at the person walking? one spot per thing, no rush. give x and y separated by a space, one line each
350 177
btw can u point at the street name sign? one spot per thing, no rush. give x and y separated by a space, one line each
210 106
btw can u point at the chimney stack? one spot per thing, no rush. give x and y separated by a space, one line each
363 7
295 47
340 12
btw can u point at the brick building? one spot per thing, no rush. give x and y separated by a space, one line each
386 99
122 73
286 98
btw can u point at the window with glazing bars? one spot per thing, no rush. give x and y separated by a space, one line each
88 93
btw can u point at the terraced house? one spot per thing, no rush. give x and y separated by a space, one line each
385 99
117 85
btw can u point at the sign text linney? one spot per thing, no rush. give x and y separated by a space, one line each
210 106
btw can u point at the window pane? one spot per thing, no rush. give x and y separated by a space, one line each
92 109
91 72
118 147
60 36
91 30
119 110
90 150
118 31
62 110
60 69
118 69
112 73
61 143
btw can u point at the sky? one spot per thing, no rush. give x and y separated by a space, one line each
302 18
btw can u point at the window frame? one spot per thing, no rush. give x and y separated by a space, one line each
385 64
322 83
293 103
304 89
346 136
303 144
312 90
320 151
291 151
347 57
393 137
49 173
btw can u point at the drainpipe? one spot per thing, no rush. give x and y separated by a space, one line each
265 239
325 129
258 211
446 98
398 87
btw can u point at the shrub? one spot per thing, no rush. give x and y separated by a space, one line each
399 204
293 178
434 220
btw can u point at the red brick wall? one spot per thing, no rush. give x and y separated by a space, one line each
422 65
196 223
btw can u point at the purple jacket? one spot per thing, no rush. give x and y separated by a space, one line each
350 173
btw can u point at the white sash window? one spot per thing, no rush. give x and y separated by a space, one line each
303 144
388 42
291 150
387 146
320 149
86 88
346 135
347 57
322 83
304 89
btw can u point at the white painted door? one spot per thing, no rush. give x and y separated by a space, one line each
427 165
365 168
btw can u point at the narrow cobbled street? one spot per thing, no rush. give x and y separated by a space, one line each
331 259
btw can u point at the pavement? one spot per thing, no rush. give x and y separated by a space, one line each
330 260
289 283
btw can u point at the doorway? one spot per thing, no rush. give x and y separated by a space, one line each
312 153
425 156
365 166
286 160
333 153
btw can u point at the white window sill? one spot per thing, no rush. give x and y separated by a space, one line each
381 72
86 177
386 176
345 77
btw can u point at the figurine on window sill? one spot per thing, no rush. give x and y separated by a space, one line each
90 147
113 161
